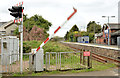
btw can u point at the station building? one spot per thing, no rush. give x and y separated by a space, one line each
114 33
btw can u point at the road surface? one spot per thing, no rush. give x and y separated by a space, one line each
108 72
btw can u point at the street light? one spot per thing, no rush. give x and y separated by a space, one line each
98 23
94 33
108 27
108 17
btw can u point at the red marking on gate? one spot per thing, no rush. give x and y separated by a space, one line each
72 14
75 10
86 53
46 40
57 29
38 48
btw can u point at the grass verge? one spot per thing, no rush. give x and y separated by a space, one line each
98 67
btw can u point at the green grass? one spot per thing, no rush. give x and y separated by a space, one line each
25 57
49 47
95 68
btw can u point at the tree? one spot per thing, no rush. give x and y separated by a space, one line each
66 36
74 28
37 33
91 37
36 20
34 28
91 26
25 17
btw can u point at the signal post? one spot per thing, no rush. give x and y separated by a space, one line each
17 12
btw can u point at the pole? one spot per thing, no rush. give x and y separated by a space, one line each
108 32
108 19
21 34
108 37
94 33
108 28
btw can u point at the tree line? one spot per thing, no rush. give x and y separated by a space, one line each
92 29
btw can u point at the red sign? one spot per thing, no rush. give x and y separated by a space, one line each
86 53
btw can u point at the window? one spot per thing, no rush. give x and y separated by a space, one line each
12 32
3 32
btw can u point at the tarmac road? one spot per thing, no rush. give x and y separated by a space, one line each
108 72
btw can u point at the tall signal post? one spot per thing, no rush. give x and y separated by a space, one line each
17 12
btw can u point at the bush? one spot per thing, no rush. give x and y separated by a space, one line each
26 48
91 37
49 47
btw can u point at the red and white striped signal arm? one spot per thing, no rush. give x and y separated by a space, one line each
20 19
75 10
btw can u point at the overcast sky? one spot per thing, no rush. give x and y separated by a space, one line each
57 11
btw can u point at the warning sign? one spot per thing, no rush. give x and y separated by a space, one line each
86 53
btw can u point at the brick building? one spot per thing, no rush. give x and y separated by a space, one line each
114 32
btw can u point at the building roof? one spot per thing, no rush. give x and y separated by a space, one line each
116 33
8 24
5 25
114 25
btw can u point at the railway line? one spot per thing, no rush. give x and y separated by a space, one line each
96 55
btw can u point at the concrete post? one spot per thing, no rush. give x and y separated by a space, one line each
39 60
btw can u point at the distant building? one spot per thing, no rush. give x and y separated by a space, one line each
1 23
102 38
7 28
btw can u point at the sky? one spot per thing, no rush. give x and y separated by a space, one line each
57 12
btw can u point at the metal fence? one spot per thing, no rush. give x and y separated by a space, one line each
10 63
52 61
66 61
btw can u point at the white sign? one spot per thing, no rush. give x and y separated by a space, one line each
20 28
106 31
84 39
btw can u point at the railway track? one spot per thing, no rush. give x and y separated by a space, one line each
96 56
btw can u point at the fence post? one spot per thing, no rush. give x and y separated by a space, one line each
46 60
80 57
56 60
49 60
83 58
30 62
60 60
88 61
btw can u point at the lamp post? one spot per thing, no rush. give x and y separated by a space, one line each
108 26
98 38
98 23
94 33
